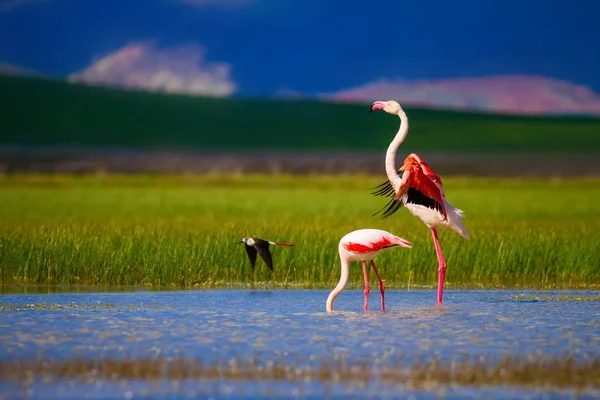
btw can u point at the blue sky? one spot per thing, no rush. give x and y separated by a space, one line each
315 45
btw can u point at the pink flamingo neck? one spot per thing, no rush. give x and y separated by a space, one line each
390 155
341 284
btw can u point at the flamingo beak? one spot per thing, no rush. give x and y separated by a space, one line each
404 243
378 105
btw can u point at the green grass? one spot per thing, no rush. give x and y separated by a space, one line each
53 113
182 231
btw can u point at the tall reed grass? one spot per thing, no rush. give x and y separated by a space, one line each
183 232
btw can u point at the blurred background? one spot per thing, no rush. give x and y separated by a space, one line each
187 86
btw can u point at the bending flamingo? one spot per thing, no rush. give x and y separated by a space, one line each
419 189
363 245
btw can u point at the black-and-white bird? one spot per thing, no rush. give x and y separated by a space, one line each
261 246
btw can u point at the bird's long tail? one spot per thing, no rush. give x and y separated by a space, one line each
282 244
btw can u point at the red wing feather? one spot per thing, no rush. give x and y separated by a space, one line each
417 179
422 182
364 248
422 178
426 169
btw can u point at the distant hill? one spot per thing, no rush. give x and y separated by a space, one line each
38 112
508 94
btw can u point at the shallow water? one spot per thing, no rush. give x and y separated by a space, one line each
217 325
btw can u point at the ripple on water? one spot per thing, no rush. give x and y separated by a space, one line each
292 324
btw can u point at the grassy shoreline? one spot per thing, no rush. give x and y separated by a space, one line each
32 288
560 294
181 232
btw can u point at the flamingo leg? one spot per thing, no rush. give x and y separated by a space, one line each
367 288
381 286
441 263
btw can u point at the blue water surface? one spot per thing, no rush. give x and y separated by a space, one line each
291 325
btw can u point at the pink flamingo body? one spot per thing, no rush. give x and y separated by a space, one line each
419 189
363 245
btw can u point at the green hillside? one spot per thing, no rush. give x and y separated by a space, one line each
52 113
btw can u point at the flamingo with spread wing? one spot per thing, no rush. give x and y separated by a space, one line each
419 189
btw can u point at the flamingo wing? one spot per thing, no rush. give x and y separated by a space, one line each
418 186
369 246
386 189
427 182
426 169
423 183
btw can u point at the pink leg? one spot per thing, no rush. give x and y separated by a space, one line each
441 263
381 286
367 288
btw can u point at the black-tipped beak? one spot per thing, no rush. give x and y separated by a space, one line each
378 105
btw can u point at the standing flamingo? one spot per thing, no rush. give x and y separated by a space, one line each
419 189
363 245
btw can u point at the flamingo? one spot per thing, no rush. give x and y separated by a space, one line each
364 245
419 189
254 245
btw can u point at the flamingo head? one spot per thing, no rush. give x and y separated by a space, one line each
390 106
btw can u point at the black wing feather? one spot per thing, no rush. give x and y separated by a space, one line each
412 196
386 189
415 196
263 249
390 208
251 254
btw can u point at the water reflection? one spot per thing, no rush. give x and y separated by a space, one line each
292 325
